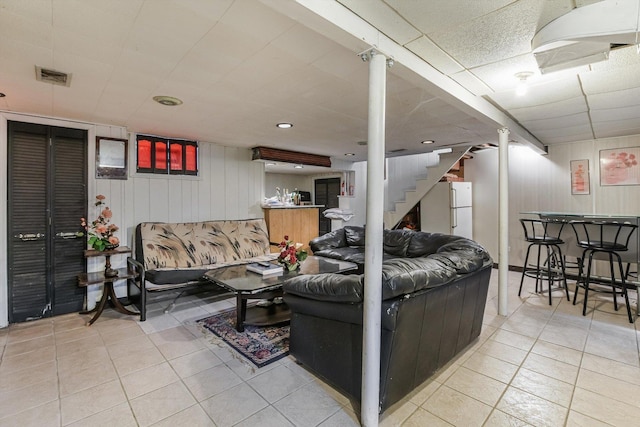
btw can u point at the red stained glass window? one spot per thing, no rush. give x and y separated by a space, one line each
161 156
176 156
144 154
191 158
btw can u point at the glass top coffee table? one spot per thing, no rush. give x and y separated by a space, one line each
248 285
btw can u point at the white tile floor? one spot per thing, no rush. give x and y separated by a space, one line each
542 365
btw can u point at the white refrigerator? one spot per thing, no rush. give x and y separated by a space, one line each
447 209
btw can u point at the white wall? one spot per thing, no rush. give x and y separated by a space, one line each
543 183
229 186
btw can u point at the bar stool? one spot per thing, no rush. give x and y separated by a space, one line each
544 233
608 237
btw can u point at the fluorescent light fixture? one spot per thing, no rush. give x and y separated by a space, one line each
298 167
427 141
284 125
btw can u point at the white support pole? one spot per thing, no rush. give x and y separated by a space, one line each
503 220
370 405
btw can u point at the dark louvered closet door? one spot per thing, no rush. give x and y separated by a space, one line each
47 196
326 193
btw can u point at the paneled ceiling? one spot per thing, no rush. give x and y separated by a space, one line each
241 66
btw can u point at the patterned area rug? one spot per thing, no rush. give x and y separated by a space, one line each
259 344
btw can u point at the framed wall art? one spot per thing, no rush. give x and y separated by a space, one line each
619 166
580 182
111 158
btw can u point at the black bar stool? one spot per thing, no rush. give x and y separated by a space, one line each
544 233
609 238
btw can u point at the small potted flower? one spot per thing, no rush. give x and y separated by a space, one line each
290 254
100 231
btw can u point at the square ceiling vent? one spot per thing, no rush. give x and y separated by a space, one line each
52 76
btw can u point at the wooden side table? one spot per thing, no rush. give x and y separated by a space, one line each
107 277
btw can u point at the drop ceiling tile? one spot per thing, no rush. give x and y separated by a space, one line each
611 114
540 112
254 18
595 82
478 43
540 94
384 18
25 30
616 128
500 76
471 83
619 58
67 42
432 16
621 98
304 44
558 122
566 133
436 57
40 11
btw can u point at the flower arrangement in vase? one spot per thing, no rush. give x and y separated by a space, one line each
290 254
100 231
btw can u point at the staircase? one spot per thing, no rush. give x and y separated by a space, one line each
423 185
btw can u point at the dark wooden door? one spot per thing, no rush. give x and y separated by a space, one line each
47 196
327 191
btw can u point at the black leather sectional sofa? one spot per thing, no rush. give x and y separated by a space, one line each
434 290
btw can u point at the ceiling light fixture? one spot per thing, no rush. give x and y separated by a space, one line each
298 167
270 164
284 125
427 141
521 88
349 154
2 95
169 101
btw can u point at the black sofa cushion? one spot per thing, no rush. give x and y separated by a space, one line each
354 236
396 242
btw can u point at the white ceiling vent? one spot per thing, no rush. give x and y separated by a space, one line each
586 34
52 76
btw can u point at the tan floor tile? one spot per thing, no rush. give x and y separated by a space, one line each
111 321
513 339
27 360
398 413
14 380
176 342
79 346
34 344
212 381
423 392
112 336
129 346
543 386
75 380
15 401
91 401
526 406
67 323
138 360
551 368
611 387
576 419
309 405
120 415
193 416
501 419
612 368
565 335
558 352
475 385
191 364
148 379
276 383
456 408
224 410
27 331
161 403
345 417
613 346
503 352
491 367
422 418
65 336
47 415
603 408
83 359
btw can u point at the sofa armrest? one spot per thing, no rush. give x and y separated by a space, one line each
331 240
329 287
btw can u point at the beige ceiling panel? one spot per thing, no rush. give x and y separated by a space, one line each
502 34
40 11
97 19
432 16
14 27
610 81
617 128
613 114
86 47
470 82
436 57
500 76
541 112
619 58
539 94
21 59
381 16
304 44
575 130
558 123
621 98
254 18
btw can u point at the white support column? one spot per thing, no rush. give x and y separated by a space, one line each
503 220
373 244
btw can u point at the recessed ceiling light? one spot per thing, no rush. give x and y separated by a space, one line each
298 167
427 141
2 95
169 101
284 125
350 154
270 164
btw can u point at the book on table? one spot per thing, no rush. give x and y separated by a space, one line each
265 268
